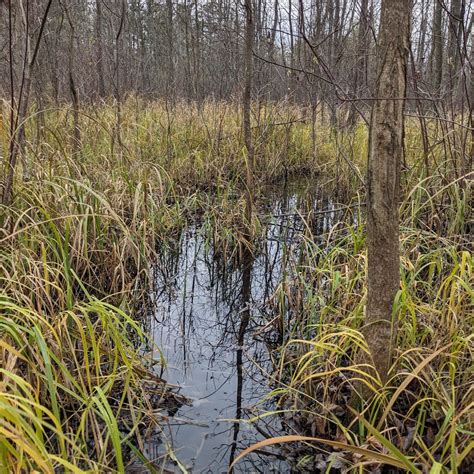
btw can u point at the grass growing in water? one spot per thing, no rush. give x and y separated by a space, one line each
76 246
422 418
76 389
74 266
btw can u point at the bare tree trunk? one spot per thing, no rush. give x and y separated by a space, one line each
314 116
292 41
471 104
72 84
187 21
420 57
453 42
25 90
246 103
17 138
360 72
100 48
363 44
437 48
385 153
170 54
197 55
117 76
271 43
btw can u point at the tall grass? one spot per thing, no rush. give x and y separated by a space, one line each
75 385
77 243
422 418
77 391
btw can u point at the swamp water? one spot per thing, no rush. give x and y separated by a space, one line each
214 327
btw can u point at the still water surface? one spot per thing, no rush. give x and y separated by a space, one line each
212 324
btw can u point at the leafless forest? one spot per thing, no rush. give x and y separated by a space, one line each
308 52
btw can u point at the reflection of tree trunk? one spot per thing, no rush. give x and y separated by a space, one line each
385 152
246 294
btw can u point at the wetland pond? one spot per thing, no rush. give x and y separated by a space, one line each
216 329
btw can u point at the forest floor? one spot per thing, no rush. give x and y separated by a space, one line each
82 379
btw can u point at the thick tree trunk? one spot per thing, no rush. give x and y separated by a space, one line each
385 153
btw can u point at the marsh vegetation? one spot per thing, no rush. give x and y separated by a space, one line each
184 265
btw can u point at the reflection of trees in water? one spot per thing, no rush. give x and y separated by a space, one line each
210 312
246 293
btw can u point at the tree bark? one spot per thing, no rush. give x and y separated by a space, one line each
72 83
360 70
420 57
453 69
454 33
17 138
100 48
170 52
471 105
246 103
385 153
437 48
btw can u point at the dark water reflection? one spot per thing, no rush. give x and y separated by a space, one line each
212 325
